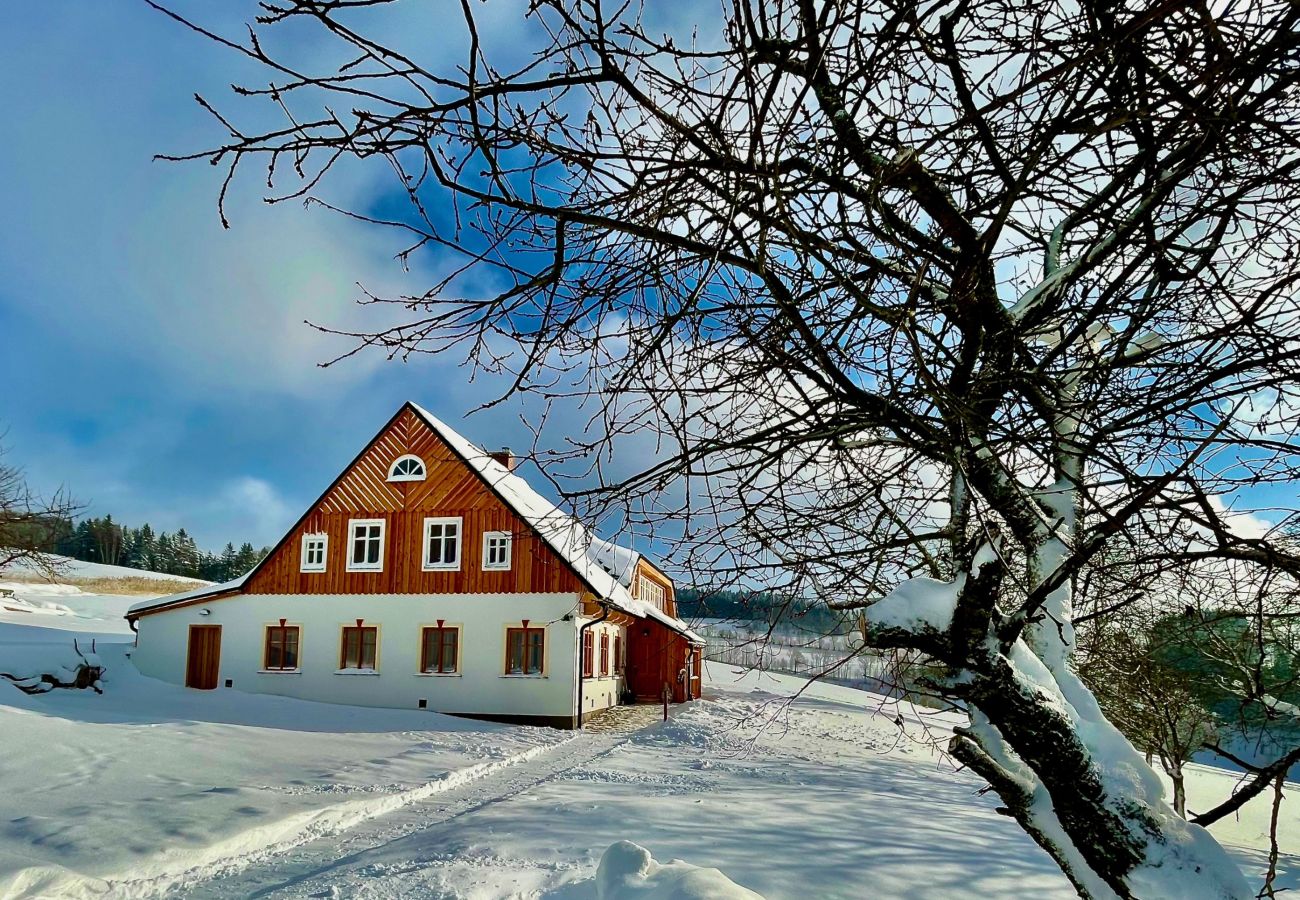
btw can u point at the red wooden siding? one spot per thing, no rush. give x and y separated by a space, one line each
655 656
450 488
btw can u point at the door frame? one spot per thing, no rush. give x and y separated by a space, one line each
189 653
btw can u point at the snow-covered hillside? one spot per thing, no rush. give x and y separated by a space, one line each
151 790
79 568
70 604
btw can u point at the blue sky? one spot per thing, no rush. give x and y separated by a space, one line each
157 365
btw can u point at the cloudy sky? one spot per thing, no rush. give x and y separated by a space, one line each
155 364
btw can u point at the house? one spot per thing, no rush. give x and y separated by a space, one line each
429 575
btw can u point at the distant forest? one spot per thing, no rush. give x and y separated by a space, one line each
762 606
102 540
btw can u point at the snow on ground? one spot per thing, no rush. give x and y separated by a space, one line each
80 568
127 792
152 789
132 789
64 607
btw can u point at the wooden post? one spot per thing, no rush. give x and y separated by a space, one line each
668 692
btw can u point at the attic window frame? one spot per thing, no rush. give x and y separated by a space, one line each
394 475
506 546
308 540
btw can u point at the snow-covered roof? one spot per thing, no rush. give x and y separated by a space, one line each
606 568
614 559
197 594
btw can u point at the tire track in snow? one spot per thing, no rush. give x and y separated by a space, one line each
273 840
295 872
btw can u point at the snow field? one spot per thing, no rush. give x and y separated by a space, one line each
131 792
65 606
769 786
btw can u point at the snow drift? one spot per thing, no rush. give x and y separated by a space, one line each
628 872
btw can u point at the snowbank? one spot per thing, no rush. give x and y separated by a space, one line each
628 872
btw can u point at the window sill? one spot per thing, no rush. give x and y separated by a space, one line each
311 571
455 568
356 672
279 671
437 674
530 675
496 568
354 569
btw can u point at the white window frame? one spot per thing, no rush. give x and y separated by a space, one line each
424 469
654 590
324 552
353 524
452 566
509 539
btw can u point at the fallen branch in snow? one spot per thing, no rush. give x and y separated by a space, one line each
88 673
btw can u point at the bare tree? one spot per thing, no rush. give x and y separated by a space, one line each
30 524
925 305
1151 698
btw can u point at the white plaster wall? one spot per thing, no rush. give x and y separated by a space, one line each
479 688
600 693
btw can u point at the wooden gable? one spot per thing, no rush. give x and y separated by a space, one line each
450 488
649 571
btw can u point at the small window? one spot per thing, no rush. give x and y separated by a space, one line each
525 651
407 468
360 646
442 543
651 592
439 649
588 655
281 648
366 545
618 653
313 552
496 550
604 654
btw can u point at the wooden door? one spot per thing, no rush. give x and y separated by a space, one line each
644 662
203 664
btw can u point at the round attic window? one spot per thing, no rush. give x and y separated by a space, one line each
407 468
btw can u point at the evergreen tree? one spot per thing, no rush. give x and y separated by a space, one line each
245 559
146 548
186 554
165 557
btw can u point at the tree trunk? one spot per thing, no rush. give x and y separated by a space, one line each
1180 789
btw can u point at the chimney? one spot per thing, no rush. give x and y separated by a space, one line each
504 457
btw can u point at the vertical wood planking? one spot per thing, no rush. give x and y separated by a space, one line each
450 488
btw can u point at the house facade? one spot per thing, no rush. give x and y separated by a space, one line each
430 575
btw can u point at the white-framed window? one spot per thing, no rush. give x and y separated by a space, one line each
365 545
314 547
407 468
442 540
496 551
652 593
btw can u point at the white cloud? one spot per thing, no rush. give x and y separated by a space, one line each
249 506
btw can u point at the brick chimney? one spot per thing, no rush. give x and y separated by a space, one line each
504 457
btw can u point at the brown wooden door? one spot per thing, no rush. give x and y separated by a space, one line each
644 662
204 661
